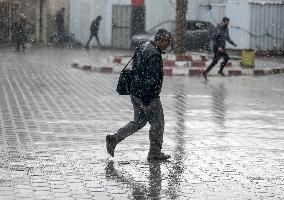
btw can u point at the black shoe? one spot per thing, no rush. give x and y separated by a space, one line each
160 156
221 73
205 76
111 144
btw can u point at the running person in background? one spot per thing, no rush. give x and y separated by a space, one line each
220 36
94 31
20 31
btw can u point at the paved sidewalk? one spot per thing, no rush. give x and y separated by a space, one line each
225 136
191 64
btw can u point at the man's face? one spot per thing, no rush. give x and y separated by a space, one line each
226 23
164 43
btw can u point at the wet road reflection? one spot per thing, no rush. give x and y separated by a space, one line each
140 191
177 167
218 104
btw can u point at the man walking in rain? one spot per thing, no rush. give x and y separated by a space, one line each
20 31
220 36
60 24
94 31
147 80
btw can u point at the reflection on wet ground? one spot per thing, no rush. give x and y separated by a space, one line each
141 190
218 104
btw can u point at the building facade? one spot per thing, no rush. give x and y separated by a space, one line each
255 24
118 18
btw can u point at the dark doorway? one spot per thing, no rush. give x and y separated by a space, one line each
138 20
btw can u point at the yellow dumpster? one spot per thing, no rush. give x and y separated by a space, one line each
248 58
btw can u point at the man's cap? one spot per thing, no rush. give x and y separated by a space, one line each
225 19
162 33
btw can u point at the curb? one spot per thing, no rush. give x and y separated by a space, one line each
179 65
182 71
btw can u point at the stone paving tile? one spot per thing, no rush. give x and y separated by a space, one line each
225 136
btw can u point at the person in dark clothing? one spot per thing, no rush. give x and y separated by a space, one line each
20 31
220 36
147 80
94 29
59 21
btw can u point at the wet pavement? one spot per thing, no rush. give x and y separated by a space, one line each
226 136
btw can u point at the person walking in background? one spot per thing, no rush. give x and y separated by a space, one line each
20 31
59 21
220 36
94 30
147 80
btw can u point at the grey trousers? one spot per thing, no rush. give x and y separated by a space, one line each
154 116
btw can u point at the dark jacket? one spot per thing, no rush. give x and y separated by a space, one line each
95 26
220 36
59 20
20 29
147 73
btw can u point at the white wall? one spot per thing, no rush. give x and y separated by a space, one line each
214 15
81 15
157 11
192 10
239 13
